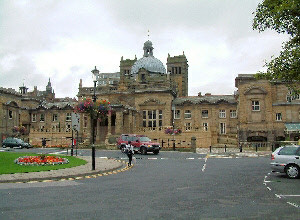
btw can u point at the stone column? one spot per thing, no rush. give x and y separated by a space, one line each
119 122
108 128
97 131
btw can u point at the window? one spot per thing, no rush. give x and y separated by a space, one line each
150 118
278 117
288 151
160 116
33 117
255 106
10 114
205 126
177 114
204 113
42 119
69 116
188 126
222 128
222 113
68 127
85 121
292 95
54 117
187 114
233 114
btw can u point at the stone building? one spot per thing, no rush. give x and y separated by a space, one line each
267 110
148 98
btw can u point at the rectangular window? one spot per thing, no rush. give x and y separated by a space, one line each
42 119
255 106
187 114
68 127
85 121
144 118
204 113
177 114
160 117
10 114
222 113
205 126
222 128
278 117
152 118
54 117
188 126
33 117
69 116
233 114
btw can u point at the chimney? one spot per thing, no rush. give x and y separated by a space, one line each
207 94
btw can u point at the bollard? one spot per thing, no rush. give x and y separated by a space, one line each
193 144
209 149
272 147
174 145
241 148
162 143
256 147
225 147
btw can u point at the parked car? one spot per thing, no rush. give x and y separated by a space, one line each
140 143
286 160
15 142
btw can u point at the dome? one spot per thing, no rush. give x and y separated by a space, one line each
148 61
150 64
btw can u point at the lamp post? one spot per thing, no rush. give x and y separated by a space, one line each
95 74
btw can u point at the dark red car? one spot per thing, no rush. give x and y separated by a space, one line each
140 143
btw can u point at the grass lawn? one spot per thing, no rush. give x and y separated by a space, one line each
8 166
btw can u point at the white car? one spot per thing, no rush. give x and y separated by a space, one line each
286 160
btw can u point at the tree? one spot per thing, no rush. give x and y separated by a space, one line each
283 16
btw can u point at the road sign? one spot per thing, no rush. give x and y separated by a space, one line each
75 121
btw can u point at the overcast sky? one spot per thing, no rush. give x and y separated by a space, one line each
64 40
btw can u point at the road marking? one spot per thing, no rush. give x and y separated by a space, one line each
269 188
164 158
103 157
289 195
190 158
293 204
154 158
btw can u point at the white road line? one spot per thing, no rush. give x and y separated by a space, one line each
293 204
203 168
289 195
103 157
278 196
269 188
190 158
154 158
164 158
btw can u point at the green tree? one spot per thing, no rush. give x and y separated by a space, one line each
282 16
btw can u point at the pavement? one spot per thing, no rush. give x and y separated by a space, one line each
103 167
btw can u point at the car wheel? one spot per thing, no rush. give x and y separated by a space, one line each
143 151
3 146
292 171
156 152
123 149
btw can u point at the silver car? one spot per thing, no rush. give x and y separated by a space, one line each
286 160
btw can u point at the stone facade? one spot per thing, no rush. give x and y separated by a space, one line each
151 100
264 108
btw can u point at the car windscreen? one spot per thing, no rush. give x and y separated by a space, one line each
288 151
144 139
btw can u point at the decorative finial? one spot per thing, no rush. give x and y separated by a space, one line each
148 34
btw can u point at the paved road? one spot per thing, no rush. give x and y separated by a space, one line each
170 185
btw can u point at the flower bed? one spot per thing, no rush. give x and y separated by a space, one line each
40 160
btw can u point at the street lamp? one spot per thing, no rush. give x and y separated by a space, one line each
95 74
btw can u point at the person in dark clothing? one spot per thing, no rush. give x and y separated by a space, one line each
129 152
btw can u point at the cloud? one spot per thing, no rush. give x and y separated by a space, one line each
64 40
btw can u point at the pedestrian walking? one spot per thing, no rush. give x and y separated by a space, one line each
129 152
